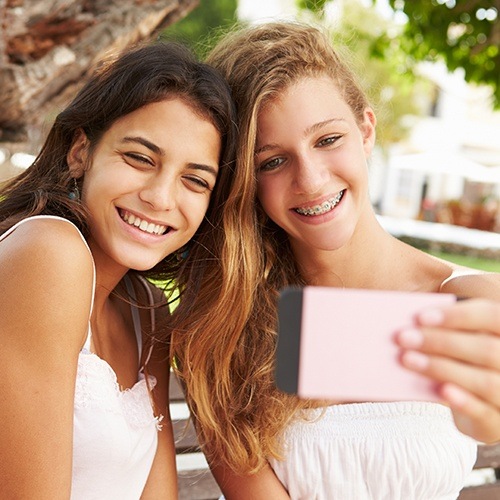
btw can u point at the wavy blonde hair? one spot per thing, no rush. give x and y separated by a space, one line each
226 354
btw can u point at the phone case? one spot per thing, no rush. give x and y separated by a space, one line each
337 344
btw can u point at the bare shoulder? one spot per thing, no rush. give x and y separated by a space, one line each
46 279
47 241
46 283
467 282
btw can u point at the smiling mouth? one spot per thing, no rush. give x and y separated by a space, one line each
322 208
143 225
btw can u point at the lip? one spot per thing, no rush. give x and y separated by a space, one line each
320 201
316 219
121 212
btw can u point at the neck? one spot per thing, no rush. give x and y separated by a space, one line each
361 263
108 276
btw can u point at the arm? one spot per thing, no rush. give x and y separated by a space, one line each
460 347
260 486
46 287
162 480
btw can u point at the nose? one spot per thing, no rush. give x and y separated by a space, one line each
160 192
309 176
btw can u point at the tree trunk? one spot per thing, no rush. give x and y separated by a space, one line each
48 47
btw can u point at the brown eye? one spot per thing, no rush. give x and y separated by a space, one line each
271 164
197 184
328 141
136 158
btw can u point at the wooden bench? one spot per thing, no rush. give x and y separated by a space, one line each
488 461
195 482
199 484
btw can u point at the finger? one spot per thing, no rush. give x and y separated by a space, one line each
475 348
470 314
473 416
482 382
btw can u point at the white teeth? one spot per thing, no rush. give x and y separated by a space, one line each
143 225
323 208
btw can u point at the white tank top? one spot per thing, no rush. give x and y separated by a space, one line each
114 431
376 451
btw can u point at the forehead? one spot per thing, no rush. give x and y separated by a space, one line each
170 127
161 114
312 98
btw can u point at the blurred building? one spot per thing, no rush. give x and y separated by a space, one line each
448 170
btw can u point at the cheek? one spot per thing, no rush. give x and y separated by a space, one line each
268 192
196 210
352 165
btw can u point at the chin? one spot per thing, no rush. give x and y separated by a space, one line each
336 243
140 263
144 267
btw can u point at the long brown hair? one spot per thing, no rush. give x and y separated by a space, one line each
121 84
228 366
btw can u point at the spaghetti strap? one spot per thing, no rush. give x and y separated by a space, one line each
136 319
149 293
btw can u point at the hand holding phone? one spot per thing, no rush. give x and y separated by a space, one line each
337 344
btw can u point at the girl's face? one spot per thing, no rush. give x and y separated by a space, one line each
311 164
149 182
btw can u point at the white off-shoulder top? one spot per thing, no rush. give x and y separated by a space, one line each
376 451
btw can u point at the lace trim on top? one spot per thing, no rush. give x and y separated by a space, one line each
97 388
97 385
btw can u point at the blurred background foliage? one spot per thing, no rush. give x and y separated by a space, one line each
394 88
385 50
389 81
463 33
202 27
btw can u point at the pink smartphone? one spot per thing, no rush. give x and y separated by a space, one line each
337 344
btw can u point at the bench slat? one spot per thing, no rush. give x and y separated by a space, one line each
200 484
185 437
488 456
481 492
175 390
197 485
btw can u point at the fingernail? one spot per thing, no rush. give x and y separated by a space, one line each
415 360
431 317
455 395
411 338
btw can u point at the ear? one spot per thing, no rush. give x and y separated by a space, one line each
78 154
367 128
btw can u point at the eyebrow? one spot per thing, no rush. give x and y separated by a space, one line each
148 144
160 152
317 126
307 131
205 168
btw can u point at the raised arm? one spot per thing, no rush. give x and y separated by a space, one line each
460 347
260 486
45 290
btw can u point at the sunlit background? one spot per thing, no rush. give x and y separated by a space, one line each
438 155
435 176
